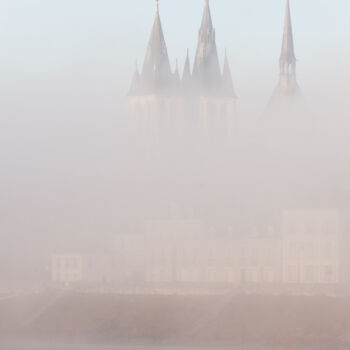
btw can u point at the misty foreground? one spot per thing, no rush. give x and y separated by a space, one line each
254 322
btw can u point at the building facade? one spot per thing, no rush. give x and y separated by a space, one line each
311 246
183 251
304 249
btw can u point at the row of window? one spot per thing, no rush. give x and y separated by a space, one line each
311 274
202 256
214 275
67 262
311 249
66 277
309 227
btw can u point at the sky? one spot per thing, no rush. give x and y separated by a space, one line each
41 38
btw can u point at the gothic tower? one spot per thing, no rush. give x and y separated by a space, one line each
288 85
153 101
287 94
217 100
159 99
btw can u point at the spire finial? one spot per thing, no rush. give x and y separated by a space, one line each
287 59
157 6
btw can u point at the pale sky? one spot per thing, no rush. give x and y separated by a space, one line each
39 38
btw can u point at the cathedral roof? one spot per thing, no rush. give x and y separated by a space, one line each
156 73
186 76
158 78
227 83
206 70
135 83
176 72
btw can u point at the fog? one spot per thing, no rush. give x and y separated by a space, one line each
135 204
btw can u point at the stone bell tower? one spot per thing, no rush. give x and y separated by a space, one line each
216 97
154 103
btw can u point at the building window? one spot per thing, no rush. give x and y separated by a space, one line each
293 250
328 250
292 274
243 276
310 274
328 274
310 250
223 112
291 229
268 276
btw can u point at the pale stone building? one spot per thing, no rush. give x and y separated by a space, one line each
70 269
258 260
160 100
67 268
129 257
169 244
311 246
305 249
182 251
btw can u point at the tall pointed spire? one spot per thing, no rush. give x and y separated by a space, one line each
288 85
227 83
287 59
287 92
176 72
186 76
135 83
206 70
156 67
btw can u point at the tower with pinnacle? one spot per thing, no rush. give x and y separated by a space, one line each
153 100
202 98
287 93
216 97
288 85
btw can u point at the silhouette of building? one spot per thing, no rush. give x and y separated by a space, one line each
311 250
204 99
286 101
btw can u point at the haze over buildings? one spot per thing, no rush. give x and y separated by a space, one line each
204 218
74 178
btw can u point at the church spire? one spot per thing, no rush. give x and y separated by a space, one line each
227 82
206 70
287 86
135 83
287 59
186 76
156 67
176 72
